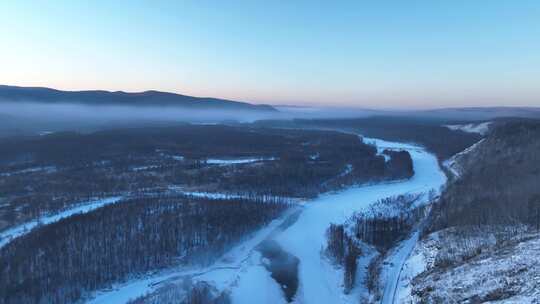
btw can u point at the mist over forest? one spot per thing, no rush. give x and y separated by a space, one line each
30 111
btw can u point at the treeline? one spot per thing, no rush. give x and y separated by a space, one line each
499 185
430 133
190 141
380 228
344 251
63 261
299 171
338 164
105 163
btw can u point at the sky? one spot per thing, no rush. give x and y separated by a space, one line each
368 54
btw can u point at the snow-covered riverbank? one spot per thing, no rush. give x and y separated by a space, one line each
320 282
223 273
248 281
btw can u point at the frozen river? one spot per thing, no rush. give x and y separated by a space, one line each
319 281
243 274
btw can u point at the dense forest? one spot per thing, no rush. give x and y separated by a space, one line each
86 252
428 132
51 172
499 185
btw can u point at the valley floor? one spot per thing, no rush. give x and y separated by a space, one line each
242 272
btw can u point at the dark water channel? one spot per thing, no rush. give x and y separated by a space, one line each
282 265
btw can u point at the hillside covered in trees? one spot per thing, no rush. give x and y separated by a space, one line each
485 227
499 185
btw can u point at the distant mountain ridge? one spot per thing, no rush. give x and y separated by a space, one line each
104 98
483 113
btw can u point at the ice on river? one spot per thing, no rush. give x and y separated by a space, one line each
248 281
306 237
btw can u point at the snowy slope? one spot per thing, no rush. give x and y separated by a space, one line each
502 273
453 163
8 235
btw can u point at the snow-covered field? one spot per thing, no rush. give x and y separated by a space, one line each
8 235
242 273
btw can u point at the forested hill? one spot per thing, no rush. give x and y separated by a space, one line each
146 98
500 179
483 241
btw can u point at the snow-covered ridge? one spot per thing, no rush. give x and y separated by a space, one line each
480 128
452 164
8 235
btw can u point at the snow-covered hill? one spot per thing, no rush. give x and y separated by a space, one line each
489 270
482 243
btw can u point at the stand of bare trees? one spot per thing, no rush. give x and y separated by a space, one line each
381 227
63 261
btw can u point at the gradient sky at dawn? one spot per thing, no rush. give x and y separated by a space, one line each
377 54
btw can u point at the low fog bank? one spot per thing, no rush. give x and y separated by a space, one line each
30 118
27 118
443 114
106 113
304 112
